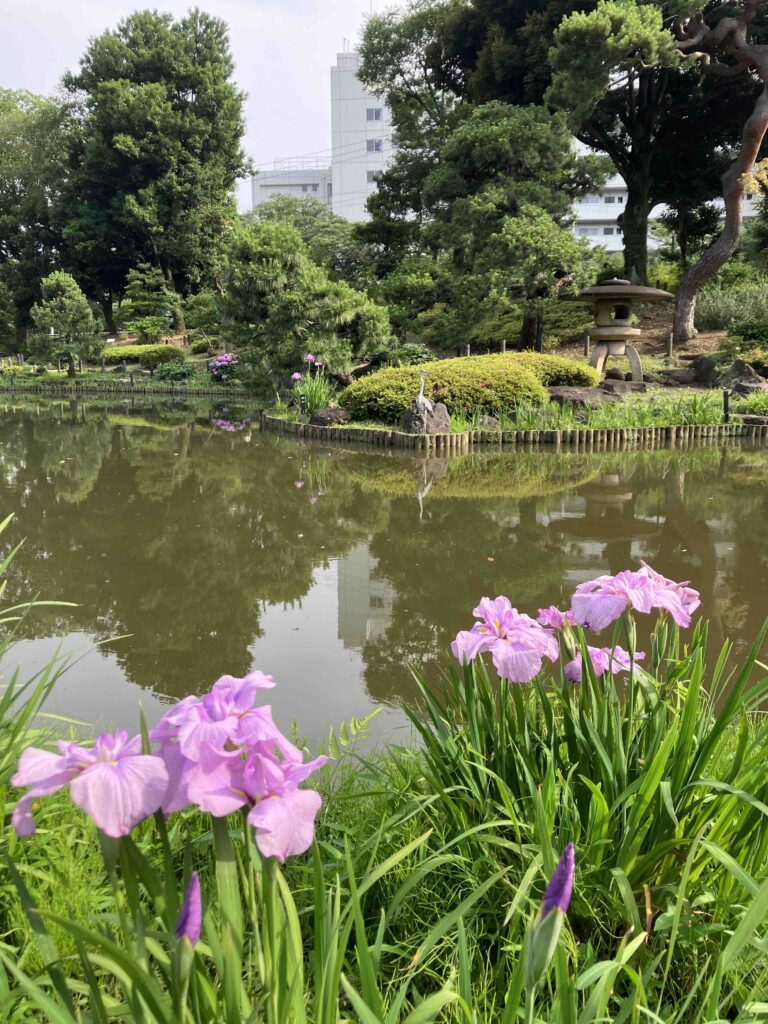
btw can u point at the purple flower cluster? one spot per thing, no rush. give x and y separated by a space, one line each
518 644
219 752
230 426
223 367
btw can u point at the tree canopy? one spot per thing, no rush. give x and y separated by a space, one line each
156 154
64 326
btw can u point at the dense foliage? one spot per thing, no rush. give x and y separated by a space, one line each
147 355
482 384
64 327
277 304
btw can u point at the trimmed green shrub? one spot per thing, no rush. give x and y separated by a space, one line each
199 347
484 384
147 355
555 371
175 371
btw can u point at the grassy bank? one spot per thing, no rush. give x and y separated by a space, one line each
418 899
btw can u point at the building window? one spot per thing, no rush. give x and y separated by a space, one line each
609 199
305 188
376 601
607 231
374 145
591 200
373 114
373 175
315 188
587 232
619 199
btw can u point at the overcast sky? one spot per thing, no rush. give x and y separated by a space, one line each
283 50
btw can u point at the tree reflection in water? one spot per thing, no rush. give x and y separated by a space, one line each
165 527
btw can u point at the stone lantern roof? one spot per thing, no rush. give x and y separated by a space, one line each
617 289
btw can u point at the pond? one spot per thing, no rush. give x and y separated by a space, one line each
194 545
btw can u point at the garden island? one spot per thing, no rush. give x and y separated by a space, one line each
384 565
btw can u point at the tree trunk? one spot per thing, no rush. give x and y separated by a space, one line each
721 250
634 224
71 371
105 301
529 329
178 315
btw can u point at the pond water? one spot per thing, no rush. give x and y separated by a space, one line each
194 546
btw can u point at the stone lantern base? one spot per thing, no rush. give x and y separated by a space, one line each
605 349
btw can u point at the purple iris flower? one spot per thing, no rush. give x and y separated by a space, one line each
557 895
554 618
517 643
604 659
599 602
309 358
190 920
296 376
282 814
679 599
113 782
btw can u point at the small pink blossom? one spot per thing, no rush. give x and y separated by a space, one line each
298 484
554 618
517 643
599 602
296 376
310 358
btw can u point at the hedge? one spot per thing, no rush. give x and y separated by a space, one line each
147 355
484 384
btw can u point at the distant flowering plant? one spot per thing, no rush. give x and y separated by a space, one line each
296 376
223 367
218 752
310 358
230 426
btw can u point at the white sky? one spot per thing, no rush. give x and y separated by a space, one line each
283 51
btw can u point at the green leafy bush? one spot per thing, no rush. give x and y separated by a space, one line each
719 306
147 355
175 371
754 405
199 347
750 330
150 329
475 384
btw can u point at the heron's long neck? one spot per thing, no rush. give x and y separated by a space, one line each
421 389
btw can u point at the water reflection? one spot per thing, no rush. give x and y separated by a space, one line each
219 550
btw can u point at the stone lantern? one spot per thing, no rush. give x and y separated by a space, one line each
613 331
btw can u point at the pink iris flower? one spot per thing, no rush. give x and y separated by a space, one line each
296 376
309 358
113 782
282 814
554 618
604 659
599 602
517 643
679 599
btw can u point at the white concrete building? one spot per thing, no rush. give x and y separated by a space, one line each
361 139
292 178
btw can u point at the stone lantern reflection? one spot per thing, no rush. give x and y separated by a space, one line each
613 331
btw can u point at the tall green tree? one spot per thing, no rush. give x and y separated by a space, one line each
33 131
332 242
499 198
153 165
63 324
277 305
647 114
